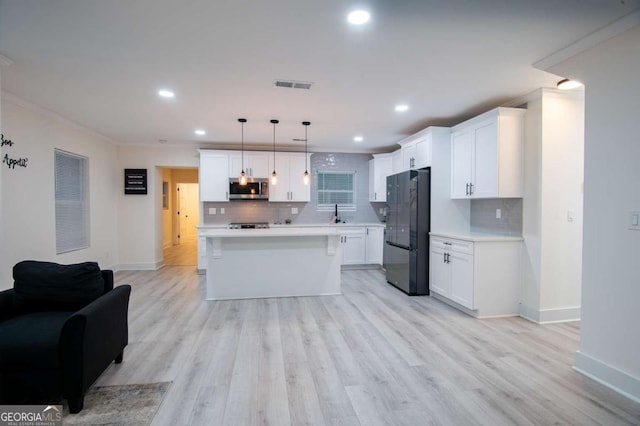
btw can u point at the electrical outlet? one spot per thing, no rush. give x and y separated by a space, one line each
212 210
570 215
221 210
498 213
294 210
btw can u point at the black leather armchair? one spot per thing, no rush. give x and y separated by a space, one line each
60 328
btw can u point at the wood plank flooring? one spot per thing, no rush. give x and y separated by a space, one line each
183 254
372 356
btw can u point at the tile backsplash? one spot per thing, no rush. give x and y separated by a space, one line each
264 211
483 216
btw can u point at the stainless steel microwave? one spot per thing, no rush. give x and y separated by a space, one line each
255 189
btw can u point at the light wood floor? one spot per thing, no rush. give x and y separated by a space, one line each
183 254
372 356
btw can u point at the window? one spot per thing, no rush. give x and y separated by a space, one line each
165 195
336 188
72 202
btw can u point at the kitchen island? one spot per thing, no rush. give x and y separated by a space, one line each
275 262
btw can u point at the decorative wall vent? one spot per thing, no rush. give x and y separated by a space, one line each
293 84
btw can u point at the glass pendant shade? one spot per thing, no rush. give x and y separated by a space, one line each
274 175
306 178
242 179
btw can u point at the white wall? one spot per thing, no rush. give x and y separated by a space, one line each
561 185
140 216
28 199
610 341
554 152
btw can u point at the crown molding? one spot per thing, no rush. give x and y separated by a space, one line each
590 40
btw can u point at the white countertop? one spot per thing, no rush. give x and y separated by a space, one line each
475 237
303 225
284 231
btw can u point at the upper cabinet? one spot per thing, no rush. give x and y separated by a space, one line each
379 168
290 168
487 155
415 151
256 164
214 175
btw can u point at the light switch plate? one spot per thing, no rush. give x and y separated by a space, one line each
221 210
634 221
212 210
570 215
498 213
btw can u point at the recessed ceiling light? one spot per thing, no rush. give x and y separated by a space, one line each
200 132
358 138
358 17
567 84
164 93
402 108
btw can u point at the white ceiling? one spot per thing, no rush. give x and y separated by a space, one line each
100 63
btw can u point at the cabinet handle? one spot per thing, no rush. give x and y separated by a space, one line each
466 191
448 255
470 189
375 195
446 243
367 231
226 195
444 257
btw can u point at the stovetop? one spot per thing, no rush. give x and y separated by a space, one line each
248 225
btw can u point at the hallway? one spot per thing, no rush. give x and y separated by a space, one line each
183 254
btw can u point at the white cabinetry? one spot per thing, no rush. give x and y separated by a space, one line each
256 164
290 168
416 149
396 161
379 168
374 245
353 246
214 176
482 276
487 155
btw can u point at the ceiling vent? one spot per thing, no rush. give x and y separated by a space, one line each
293 84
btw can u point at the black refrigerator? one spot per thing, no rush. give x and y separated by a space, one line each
406 248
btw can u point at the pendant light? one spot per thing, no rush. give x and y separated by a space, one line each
243 176
305 177
274 175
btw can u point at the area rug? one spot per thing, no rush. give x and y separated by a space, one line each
119 405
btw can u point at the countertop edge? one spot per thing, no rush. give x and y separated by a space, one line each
477 237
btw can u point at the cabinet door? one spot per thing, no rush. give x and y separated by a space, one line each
235 165
461 161
423 152
408 156
214 177
462 278
440 272
374 245
396 162
259 165
280 191
379 169
353 249
298 191
485 176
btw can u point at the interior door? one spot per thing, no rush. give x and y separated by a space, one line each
188 211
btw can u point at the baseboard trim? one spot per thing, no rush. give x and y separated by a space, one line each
608 375
549 316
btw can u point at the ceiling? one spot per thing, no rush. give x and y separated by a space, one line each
100 64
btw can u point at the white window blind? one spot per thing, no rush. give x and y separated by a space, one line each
72 202
336 188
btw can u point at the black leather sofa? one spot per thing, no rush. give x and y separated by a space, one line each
60 328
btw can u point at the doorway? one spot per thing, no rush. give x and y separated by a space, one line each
181 211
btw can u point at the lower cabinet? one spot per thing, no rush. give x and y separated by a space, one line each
353 247
481 276
362 245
